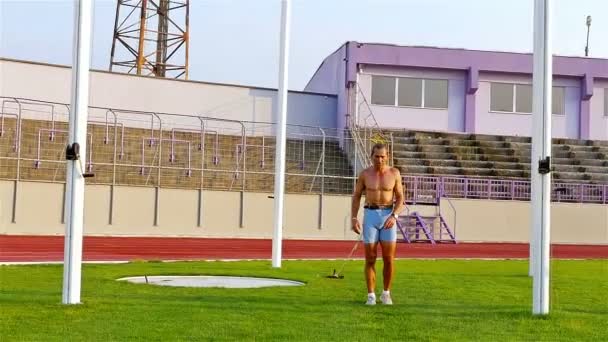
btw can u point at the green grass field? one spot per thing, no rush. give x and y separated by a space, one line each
435 300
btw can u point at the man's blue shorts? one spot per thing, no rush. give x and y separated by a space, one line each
373 226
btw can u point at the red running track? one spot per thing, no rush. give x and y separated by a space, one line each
18 248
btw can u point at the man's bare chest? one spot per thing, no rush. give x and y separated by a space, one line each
380 183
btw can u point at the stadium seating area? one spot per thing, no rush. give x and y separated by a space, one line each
505 157
216 161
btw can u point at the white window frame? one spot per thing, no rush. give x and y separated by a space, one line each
606 102
371 89
515 98
513 101
423 85
447 91
422 104
563 100
396 103
397 93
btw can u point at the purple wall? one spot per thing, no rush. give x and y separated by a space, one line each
328 79
598 126
448 119
587 72
565 125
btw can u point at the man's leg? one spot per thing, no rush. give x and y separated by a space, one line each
370 243
388 256
371 251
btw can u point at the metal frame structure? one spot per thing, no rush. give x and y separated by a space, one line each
151 38
115 129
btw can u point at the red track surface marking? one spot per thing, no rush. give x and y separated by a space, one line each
18 248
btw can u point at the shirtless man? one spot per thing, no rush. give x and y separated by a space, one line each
384 201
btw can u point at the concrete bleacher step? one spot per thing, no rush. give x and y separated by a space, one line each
458 136
510 173
588 155
464 149
602 143
510 165
444 170
463 163
565 161
494 144
405 147
599 177
434 148
589 162
568 168
517 139
566 141
437 135
460 141
486 137
469 143
594 178
414 141
397 155
580 169
570 143
570 176
475 164
479 172
413 169
491 158
564 151
574 148
452 163
528 147
403 157
424 148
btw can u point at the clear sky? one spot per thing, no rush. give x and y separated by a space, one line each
237 41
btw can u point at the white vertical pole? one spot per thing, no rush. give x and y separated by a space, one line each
279 176
74 208
541 142
536 134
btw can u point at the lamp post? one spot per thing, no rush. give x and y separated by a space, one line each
588 27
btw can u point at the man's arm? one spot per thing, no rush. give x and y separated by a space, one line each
398 191
356 203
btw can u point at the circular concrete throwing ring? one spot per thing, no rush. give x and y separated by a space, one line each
211 281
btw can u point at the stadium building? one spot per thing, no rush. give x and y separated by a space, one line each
187 158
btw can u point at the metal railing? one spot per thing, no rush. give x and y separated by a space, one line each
138 148
364 128
430 189
366 121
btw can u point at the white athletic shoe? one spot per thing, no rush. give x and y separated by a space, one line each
386 299
371 300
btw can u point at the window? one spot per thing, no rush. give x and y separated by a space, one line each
518 98
523 98
606 101
501 97
436 93
383 90
409 92
558 102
